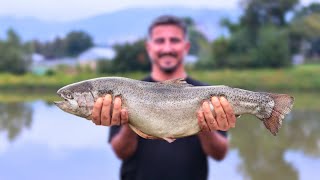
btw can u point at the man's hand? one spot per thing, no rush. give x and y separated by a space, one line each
224 117
106 114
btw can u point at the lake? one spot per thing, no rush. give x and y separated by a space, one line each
39 141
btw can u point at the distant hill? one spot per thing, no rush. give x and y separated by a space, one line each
119 26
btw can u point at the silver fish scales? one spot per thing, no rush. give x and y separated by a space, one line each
167 109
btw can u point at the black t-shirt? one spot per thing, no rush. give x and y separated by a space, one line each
160 160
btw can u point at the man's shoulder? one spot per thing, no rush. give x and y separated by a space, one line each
195 82
189 80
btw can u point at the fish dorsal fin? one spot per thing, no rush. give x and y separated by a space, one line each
180 82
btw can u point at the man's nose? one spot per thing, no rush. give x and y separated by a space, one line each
167 47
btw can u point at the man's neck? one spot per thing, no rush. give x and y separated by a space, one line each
159 75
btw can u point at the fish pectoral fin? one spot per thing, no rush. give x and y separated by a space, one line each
142 134
169 140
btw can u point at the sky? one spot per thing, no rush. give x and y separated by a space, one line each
68 10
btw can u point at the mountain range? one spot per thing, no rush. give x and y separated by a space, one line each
119 26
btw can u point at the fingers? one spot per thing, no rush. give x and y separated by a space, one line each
228 111
106 109
124 116
116 112
97 111
221 116
209 118
202 122
106 114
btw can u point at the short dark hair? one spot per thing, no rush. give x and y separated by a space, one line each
169 20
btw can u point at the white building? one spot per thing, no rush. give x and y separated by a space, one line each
94 54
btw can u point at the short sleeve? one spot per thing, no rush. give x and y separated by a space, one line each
223 133
113 131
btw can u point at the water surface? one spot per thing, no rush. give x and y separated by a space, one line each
39 141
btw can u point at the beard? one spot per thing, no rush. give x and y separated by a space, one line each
168 70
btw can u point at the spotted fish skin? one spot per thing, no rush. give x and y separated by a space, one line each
167 109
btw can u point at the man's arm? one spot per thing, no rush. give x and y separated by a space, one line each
213 143
124 143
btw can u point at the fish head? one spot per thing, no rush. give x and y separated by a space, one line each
75 100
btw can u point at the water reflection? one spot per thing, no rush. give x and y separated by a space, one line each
263 156
57 146
14 117
63 146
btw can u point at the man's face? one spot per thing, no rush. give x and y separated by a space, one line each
167 47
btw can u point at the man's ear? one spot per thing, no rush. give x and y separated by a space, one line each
187 47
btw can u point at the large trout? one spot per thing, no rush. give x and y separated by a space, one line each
167 109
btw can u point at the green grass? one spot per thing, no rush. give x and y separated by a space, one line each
302 82
9 82
295 79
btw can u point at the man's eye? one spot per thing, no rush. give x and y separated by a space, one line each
159 41
175 40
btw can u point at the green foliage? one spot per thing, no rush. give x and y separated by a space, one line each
197 39
305 29
130 57
272 48
50 72
13 57
220 49
105 66
205 57
261 12
260 39
72 45
308 26
76 42
308 10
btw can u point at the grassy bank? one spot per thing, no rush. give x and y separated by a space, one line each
295 79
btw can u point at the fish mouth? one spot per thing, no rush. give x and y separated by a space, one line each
60 103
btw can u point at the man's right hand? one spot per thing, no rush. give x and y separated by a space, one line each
106 114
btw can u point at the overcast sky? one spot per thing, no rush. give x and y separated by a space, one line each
77 9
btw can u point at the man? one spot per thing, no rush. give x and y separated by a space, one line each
186 158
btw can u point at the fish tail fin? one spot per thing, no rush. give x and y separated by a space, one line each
283 105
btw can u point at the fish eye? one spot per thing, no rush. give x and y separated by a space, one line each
69 96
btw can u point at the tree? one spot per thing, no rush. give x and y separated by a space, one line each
13 57
76 42
272 49
196 37
305 29
130 57
261 12
72 45
258 13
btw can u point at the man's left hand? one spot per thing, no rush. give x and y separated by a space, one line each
222 118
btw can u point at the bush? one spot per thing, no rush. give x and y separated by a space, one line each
272 48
